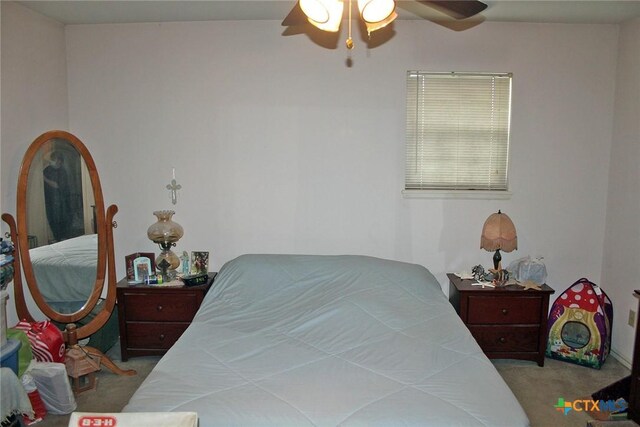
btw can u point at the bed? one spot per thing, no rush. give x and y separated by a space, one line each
66 271
302 340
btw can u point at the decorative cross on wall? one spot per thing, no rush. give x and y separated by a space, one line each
174 187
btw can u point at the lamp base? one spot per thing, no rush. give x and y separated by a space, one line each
496 260
166 263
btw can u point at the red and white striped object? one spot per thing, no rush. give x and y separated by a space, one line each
46 340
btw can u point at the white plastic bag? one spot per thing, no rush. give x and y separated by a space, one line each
528 268
53 385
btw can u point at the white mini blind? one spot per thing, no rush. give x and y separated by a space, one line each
457 131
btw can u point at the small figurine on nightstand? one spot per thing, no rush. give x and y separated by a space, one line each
500 277
530 284
184 263
478 273
496 277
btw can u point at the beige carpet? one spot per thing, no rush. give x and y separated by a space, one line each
537 389
113 391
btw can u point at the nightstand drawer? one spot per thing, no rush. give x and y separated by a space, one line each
504 310
155 306
506 338
154 335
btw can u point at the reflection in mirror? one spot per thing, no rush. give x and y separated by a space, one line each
60 199
61 226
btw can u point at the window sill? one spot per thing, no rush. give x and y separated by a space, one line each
456 194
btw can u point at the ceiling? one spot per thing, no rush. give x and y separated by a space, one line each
113 11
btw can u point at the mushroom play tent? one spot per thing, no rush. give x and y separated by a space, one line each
580 325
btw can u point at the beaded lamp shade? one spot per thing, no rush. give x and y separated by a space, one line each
498 233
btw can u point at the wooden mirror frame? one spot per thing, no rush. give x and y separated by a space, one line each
105 271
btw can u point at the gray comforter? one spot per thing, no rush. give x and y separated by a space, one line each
66 271
295 340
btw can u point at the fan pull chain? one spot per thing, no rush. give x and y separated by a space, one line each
349 39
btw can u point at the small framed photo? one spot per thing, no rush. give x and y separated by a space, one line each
199 262
129 262
142 269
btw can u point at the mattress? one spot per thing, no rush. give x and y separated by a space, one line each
301 340
66 271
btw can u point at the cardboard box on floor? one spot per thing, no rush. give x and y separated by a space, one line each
134 419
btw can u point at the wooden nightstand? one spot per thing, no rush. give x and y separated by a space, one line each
507 322
152 318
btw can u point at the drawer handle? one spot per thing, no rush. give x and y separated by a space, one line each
502 340
161 337
159 308
505 311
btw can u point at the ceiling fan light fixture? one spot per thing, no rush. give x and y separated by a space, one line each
377 11
323 14
374 26
316 10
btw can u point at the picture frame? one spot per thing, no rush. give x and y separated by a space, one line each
199 262
129 263
142 269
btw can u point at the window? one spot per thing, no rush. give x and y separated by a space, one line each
457 131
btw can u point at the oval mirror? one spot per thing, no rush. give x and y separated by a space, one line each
61 226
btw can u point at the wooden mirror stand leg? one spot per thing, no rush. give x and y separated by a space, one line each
71 339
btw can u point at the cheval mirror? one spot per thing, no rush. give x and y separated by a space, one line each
64 240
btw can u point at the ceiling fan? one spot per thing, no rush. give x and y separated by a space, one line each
326 15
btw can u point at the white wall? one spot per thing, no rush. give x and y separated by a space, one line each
622 241
280 147
34 95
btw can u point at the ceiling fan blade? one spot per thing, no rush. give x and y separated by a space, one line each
295 17
458 9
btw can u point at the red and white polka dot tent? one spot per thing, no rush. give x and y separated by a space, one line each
580 325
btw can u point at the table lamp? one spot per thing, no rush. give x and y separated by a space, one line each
166 233
498 233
